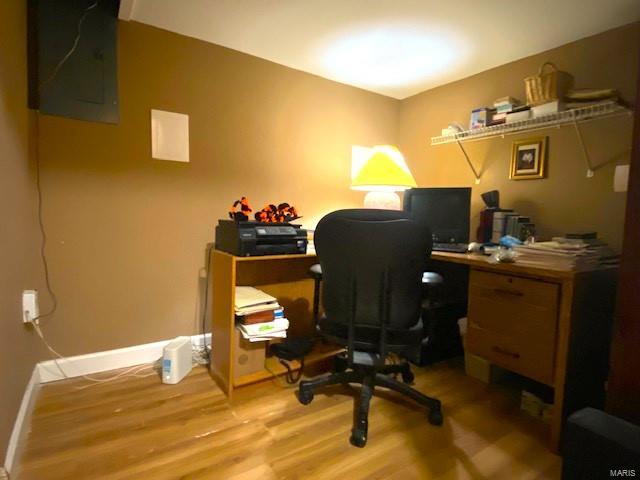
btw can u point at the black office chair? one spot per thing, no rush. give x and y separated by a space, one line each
372 264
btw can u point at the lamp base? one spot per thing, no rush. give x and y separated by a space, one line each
382 200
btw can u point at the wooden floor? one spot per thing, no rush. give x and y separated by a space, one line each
139 428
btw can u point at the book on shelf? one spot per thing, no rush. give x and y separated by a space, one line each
498 225
510 220
506 102
259 332
513 225
518 116
250 300
260 317
547 108
498 118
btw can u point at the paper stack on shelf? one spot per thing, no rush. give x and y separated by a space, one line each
259 332
260 317
558 255
251 300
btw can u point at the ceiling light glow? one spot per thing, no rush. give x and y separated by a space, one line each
389 56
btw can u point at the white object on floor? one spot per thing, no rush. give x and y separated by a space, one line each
97 362
76 366
176 360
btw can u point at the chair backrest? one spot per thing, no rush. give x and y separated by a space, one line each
372 260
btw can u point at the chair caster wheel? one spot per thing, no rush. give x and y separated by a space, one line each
407 376
435 416
305 396
358 438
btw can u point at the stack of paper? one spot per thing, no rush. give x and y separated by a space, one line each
259 332
249 302
558 255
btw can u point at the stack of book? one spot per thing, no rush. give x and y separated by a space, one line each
503 106
590 240
574 251
549 108
497 222
259 316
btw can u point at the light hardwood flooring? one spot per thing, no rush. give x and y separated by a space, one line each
138 428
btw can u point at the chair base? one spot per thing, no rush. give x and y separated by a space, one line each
369 377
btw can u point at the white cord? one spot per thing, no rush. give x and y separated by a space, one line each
136 369
35 321
43 244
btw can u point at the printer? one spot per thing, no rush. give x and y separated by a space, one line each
247 239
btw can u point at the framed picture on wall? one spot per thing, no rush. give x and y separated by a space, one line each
528 158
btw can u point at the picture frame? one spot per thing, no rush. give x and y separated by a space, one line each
528 159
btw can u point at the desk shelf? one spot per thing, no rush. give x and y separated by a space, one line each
320 352
286 277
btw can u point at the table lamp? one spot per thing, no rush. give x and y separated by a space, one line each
383 174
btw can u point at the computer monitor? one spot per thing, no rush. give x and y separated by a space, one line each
446 212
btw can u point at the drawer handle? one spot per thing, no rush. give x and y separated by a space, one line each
504 291
505 352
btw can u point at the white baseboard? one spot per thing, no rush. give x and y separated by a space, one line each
23 420
47 371
108 360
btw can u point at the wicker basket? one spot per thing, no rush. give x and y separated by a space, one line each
548 85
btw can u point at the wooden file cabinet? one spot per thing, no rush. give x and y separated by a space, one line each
513 323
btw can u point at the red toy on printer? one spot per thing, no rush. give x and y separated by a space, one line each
269 214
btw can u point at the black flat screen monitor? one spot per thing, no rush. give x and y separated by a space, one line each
446 211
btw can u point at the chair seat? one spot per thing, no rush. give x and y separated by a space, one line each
367 338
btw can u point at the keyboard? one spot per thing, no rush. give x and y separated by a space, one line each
451 247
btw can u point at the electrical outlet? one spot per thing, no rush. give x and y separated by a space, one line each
30 308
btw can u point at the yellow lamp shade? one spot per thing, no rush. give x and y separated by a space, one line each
385 169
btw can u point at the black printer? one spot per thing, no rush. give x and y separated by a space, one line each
248 239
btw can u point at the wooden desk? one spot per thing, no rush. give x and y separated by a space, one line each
552 326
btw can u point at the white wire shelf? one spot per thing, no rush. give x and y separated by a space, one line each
573 116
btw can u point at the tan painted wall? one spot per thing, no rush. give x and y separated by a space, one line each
566 200
128 233
19 235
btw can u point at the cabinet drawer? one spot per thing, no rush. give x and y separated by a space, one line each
519 307
513 289
513 322
530 359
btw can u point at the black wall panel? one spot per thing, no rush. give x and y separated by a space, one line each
85 87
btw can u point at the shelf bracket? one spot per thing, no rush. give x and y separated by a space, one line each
585 153
473 169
